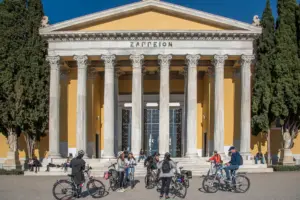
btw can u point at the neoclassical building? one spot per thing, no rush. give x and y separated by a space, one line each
150 75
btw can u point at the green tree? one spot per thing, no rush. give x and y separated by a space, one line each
36 80
285 74
12 40
262 118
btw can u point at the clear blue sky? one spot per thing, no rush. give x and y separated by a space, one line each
243 10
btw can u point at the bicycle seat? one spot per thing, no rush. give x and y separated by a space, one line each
70 175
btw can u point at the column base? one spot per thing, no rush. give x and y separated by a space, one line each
191 155
108 157
246 155
54 155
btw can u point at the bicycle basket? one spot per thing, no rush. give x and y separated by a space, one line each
188 173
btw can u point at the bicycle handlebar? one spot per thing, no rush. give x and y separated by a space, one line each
112 165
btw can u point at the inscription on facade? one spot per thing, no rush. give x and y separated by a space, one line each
151 44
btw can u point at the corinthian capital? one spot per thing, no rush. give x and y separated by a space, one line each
246 60
164 60
192 60
219 61
54 62
137 60
82 61
109 61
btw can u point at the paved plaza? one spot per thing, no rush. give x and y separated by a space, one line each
275 186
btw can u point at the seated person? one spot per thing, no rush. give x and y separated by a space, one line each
259 156
234 163
30 164
66 165
36 164
142 155
216 159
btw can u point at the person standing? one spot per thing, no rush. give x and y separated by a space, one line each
78 166
166 167
130 163
121 169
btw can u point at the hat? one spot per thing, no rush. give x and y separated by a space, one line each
231 148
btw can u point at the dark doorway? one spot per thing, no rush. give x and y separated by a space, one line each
126 129
175 132
151 130
205 145
97 145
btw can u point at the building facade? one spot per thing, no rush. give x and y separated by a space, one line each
151 75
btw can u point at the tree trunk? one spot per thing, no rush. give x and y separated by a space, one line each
269 146
30 143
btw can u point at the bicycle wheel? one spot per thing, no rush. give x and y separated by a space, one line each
242 184
64 190
186 181
210 184
180 189
95 188
113 184
149 181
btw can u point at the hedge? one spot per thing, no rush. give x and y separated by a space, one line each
286 168
11 172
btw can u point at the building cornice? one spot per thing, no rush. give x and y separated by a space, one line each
149 35
163 6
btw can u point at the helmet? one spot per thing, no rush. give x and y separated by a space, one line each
120 153
231 148
215 151
80 153
167 155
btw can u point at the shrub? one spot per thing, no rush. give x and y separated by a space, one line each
11 172
283 168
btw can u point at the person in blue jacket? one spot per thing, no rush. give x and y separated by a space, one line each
234 163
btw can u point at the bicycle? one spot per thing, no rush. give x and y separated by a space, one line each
214 182
130 176
151 178
178 184
113 176
72 190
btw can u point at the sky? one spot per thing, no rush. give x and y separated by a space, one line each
242 10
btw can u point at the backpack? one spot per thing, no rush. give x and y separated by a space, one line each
241 160
166 167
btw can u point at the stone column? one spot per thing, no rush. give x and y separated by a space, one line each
116 104
192 61
245 122
109 106
54 115
219 62
137 105
164 100
81 123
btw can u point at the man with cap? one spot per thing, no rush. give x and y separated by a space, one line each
234 162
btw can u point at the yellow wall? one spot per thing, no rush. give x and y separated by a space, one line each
72 104
149 20
200 101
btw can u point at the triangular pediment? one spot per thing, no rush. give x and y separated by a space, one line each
151 15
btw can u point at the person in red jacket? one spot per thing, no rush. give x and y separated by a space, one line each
216 158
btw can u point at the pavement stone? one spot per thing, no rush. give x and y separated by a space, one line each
274 186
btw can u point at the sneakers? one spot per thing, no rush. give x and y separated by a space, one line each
167 197
121 190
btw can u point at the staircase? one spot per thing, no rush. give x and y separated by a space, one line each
198 166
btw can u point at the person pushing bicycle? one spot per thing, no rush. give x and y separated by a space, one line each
78 166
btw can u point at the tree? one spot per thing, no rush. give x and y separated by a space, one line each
12 39
285 74
262 117
36 80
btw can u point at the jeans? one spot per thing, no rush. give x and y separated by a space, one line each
166 181
121 178
257 159
229 168
142 157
